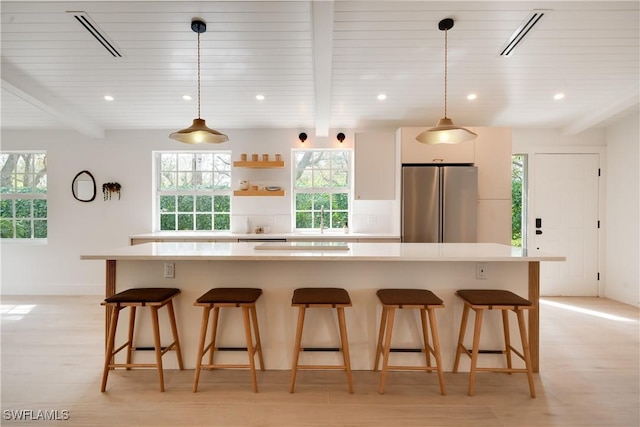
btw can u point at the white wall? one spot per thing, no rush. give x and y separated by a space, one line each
622 280
76 228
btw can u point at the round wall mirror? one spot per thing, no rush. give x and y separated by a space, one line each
83 187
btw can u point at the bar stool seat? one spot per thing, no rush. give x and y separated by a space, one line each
480 300
337 298
218 298
419 299
154 298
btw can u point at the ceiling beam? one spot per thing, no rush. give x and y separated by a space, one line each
31 92
630 100
322 26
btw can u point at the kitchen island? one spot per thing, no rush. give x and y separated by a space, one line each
361 268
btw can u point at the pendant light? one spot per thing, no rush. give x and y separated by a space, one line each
445 132
198 132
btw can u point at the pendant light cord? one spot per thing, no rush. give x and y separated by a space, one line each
445 73
198 74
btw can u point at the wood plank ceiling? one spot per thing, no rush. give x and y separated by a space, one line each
319 65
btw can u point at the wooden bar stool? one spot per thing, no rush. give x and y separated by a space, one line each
505 301
419 299
337 298
216 299
154 298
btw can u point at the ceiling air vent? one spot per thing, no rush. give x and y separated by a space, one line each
521 32
88 24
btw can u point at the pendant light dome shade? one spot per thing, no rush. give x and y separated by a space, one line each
198 132
445 132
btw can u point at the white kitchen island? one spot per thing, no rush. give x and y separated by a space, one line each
361 268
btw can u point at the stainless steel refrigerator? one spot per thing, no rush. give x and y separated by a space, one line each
439 203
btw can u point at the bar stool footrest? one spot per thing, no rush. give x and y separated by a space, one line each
406 350
146 348
412 368
320 349
322 367
232 348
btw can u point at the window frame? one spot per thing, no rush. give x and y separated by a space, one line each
331 191
193 192
32 197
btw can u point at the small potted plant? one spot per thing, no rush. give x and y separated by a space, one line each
110 187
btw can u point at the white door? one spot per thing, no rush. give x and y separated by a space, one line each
565 222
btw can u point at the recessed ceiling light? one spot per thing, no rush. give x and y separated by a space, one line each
558 96
108 98
382 97
472 96
260 97
187 97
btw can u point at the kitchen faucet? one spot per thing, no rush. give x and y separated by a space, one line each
322 220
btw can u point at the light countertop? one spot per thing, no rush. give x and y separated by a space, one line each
245 251
213 235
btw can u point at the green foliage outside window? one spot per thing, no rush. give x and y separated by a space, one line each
23 202
194 191
517 205
322 183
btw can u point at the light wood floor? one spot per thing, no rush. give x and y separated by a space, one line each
52 356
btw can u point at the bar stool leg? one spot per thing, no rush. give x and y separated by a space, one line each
463 330
174 332
132 323
526 351
475 350
214 332
296 348
507 337
379 348
436 349
256 331
115 311
250 349
425 337
391 312
345 346
201 350
158 347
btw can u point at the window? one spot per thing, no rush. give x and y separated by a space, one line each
321 184
194 190
519 200
23 195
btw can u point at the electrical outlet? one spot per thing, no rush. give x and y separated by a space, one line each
169 270
481 271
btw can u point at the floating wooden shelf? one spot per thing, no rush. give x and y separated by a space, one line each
258 193
259 164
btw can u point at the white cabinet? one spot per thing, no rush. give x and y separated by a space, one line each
375 166
413 151
493 159
494 221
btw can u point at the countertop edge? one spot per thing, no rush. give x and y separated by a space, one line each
358 252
